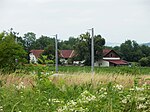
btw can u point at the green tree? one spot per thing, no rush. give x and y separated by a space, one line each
67 44
43 42
11 53
131 51
49 52
29 41
83 47
145 50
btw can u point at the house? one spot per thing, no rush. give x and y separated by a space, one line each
65 55
34 55
110 58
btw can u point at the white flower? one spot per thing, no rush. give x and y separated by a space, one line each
139 89
103 89
102 96
131 89
55 100
119 87
1 109
124 101
141 98
141 106
105 93
20 86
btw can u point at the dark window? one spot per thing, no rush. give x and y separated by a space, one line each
111 55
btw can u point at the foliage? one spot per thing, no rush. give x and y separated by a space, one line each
46 96
44 60
145 61
11 52
29 40
131 51
43 42
67 44
83 47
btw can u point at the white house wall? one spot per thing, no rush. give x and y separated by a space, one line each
108 58
104 63
32 58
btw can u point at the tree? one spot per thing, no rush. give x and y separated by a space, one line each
44 42
145 50
67 44
49 52
83 48
11 53
29 40
131 51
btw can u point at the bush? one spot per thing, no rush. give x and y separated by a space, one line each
145 61
11 53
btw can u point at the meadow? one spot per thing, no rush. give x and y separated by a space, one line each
73 89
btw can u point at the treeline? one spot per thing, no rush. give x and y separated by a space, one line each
134 52
14 49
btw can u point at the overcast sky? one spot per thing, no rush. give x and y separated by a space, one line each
115 20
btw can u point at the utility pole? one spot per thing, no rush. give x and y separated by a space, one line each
92 52
56 54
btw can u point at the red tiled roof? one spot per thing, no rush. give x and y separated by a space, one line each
37 53
118 62
106 51
67 53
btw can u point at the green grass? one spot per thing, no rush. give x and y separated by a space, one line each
37 91
45 96
87 69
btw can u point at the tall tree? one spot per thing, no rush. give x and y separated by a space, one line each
67 44
29 40
83 47
43 42
131 51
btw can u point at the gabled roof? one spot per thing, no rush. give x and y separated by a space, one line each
67 53
37 53
107 51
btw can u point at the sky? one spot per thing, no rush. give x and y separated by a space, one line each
114 20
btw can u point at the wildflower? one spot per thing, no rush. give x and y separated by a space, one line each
47 73
141 106
20 86
141 98
102 96
131 89
86 97
119 87
124 101
105 93
102 89
55 100
1 109
139 89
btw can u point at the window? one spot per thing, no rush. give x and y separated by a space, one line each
111 55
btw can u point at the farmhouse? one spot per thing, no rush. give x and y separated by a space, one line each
65 55
110 58
34 55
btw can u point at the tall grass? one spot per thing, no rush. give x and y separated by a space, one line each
77 93
87 69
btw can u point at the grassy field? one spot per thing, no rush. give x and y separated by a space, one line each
35 89
87 69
